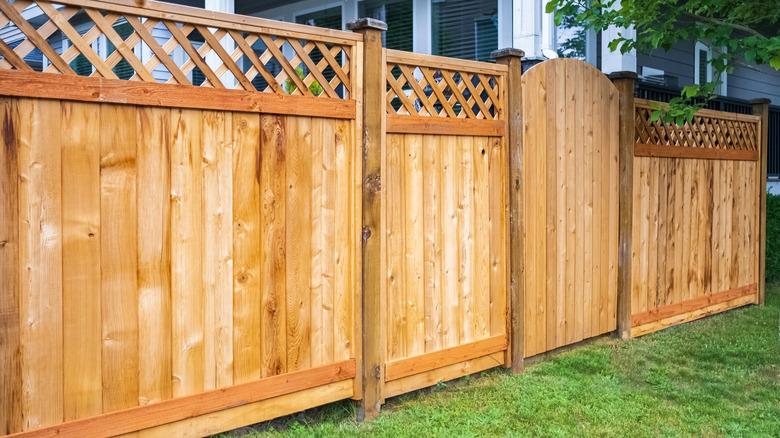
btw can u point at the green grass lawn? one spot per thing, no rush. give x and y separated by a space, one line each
716 377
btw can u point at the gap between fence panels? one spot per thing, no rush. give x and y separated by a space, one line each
284 239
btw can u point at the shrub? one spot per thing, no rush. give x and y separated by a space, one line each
290 87
772 237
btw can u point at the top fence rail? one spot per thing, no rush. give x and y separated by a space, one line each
164 43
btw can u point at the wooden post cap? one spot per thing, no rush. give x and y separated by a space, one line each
761 101
507 52
366 23
623 75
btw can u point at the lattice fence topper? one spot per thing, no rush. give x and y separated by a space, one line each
162 47
428 91
705 131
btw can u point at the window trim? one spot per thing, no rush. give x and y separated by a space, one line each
697 49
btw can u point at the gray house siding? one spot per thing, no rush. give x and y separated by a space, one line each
744 83
678 62
754 82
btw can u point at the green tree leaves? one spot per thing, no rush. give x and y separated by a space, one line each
747 29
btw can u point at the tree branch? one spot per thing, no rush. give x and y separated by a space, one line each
719 22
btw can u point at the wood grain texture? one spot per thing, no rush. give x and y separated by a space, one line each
345 321
81 308
653 150
414 245
187 291
10 347
432 219
626 198
40 257
299 266
247 340
371 61
272 191
217 247
119 257
154 255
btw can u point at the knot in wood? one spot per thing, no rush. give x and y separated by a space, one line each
373 183
366 233
378 372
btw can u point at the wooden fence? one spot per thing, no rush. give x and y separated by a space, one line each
695 236
215 220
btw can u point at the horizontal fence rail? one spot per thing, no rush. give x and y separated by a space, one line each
711 134
160 44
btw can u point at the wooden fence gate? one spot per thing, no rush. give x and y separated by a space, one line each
570 158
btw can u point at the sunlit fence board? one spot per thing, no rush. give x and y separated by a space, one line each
695 240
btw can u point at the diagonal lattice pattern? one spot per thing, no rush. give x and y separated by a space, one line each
705 131
151 45
430 91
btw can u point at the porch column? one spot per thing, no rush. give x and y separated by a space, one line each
421 26
527 17
213 61
612 62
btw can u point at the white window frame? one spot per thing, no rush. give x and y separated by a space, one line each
698 48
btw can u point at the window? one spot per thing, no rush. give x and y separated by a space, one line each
398 16
329 18
703 70
122 68
466 29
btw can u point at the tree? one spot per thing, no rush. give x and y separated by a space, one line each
574 45
748 29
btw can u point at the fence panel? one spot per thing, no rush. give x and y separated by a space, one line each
445 253
198 250
570 152
186 255
695 224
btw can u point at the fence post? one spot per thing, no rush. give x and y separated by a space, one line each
761 109
514 141
373 120
625 81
